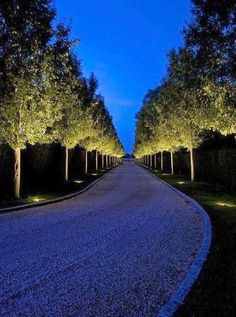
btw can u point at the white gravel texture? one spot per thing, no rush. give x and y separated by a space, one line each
119 249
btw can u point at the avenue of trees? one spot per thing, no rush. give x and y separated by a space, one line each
44 97
198 92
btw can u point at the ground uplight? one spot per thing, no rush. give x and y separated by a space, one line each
78 181
37 199
225 204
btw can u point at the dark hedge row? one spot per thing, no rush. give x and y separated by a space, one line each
42 168
215 166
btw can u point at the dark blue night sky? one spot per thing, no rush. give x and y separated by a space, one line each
125 42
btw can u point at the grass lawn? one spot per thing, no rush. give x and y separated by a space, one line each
214 293
70 187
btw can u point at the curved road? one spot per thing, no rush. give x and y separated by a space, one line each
119 249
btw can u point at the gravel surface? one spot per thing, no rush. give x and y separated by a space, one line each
119 249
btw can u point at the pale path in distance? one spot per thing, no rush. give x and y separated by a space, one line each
119 249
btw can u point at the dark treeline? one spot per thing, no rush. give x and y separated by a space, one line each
194 107
45 101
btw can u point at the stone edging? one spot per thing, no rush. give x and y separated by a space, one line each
179 295
54 200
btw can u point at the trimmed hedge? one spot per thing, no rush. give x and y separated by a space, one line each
42 168
215 166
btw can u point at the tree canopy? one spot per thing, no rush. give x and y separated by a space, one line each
43 94
198 92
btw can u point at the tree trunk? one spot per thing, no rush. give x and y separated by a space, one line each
66 163
17 172
192 164
150 160
172 162
162 163
107 160
96 160
155 161
102 161
86 162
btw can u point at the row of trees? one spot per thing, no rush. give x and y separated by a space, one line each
198 93
44 96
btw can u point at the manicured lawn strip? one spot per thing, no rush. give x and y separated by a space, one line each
214 293
71 187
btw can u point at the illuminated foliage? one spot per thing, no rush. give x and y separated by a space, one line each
26 117
43 96
198 93
212 35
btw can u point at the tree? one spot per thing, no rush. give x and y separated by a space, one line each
43 96
212 35
76 123
170 112
103 137
25 30
198 93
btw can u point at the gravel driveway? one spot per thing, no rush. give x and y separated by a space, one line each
119 249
